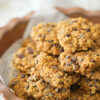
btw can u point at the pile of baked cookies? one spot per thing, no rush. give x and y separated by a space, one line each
60 61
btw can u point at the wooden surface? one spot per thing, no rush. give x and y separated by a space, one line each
16 30
13 31
93 16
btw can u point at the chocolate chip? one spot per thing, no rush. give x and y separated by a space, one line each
52 25
75 67
93 61
64 71
27 86
43 82
74 59
61 49
55 67
96 86
74 87
21 55
68 35
74 29
48 87
92 72
30 98
57 90
35 78
97 54
68 64
50 41
95 80
22 76
63 90
90 85
28 75
81 59
56 45
67 98
30 50
87 29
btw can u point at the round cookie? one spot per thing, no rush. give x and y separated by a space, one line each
17 84
77 34
48 68
83 95
91 86
24 57
42 90
45 36
94 74
80 62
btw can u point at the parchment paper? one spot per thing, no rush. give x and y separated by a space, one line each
50 15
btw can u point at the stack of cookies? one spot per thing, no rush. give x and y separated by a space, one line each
60 61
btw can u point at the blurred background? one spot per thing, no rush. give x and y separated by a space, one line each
10 9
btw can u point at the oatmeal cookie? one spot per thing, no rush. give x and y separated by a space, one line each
91 86
17 84
48 68
45 36
42 90
80 62
94 74
24 58
83 95
77 34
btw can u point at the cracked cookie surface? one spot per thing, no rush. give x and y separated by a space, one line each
80 62
49 69
42 90
59 61
91 86
24 58
45 36
77 34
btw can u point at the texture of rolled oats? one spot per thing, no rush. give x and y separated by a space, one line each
60 61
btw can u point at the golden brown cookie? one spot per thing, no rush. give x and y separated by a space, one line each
48 68
42 90
24 57
77 34
83 95
80 62
17 84
45 36
91 86
94 74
